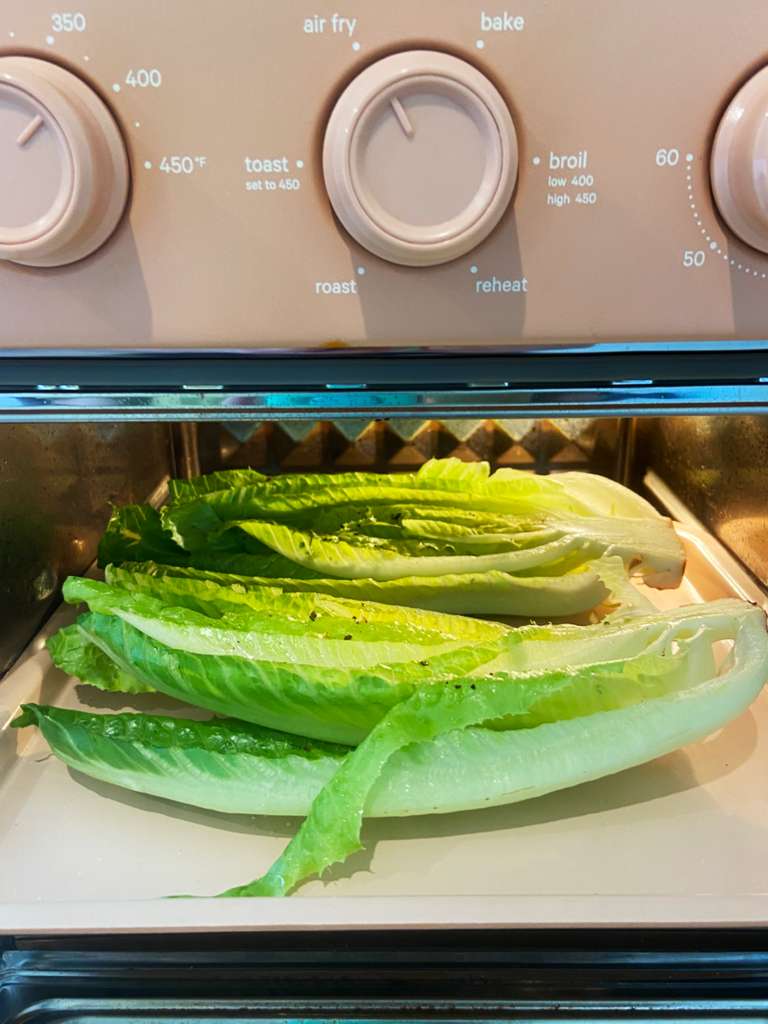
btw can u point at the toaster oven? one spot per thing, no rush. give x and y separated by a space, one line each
314 240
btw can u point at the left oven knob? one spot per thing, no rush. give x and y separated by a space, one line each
63 167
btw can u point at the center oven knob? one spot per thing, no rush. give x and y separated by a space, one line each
420 158
740 163
63 166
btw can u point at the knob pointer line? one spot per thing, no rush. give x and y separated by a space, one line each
34 126
401 116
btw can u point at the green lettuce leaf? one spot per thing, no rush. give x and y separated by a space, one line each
332 830
223 765
135 534
188 490
633 716
489 593
308 663
75 654
357 556
445 520
190 524
448 521
300 610
328 703
297 628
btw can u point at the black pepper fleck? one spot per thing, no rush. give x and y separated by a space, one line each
313 615
348 636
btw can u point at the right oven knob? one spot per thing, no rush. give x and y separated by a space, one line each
740 163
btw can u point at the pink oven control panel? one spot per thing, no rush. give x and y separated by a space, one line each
278 174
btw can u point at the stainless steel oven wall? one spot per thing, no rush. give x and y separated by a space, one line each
718 467
56 485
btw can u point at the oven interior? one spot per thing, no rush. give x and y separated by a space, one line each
58 483
59 480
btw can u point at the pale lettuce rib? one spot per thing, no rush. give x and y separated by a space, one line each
553 646
362 561
490 593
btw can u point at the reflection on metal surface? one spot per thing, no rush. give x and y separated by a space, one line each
498 402
529 974
718 467
185 445
327 1011
541 445
750 534
56 483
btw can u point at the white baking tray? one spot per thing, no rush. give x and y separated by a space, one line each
682 840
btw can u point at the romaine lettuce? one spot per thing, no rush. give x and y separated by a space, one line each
309 664
447 519
450 537
315 664
579 703
691 708
73 653
223 765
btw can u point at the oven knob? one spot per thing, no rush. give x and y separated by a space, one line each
420 158
739 167
63 167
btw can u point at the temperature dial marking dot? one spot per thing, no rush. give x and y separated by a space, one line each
713 244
